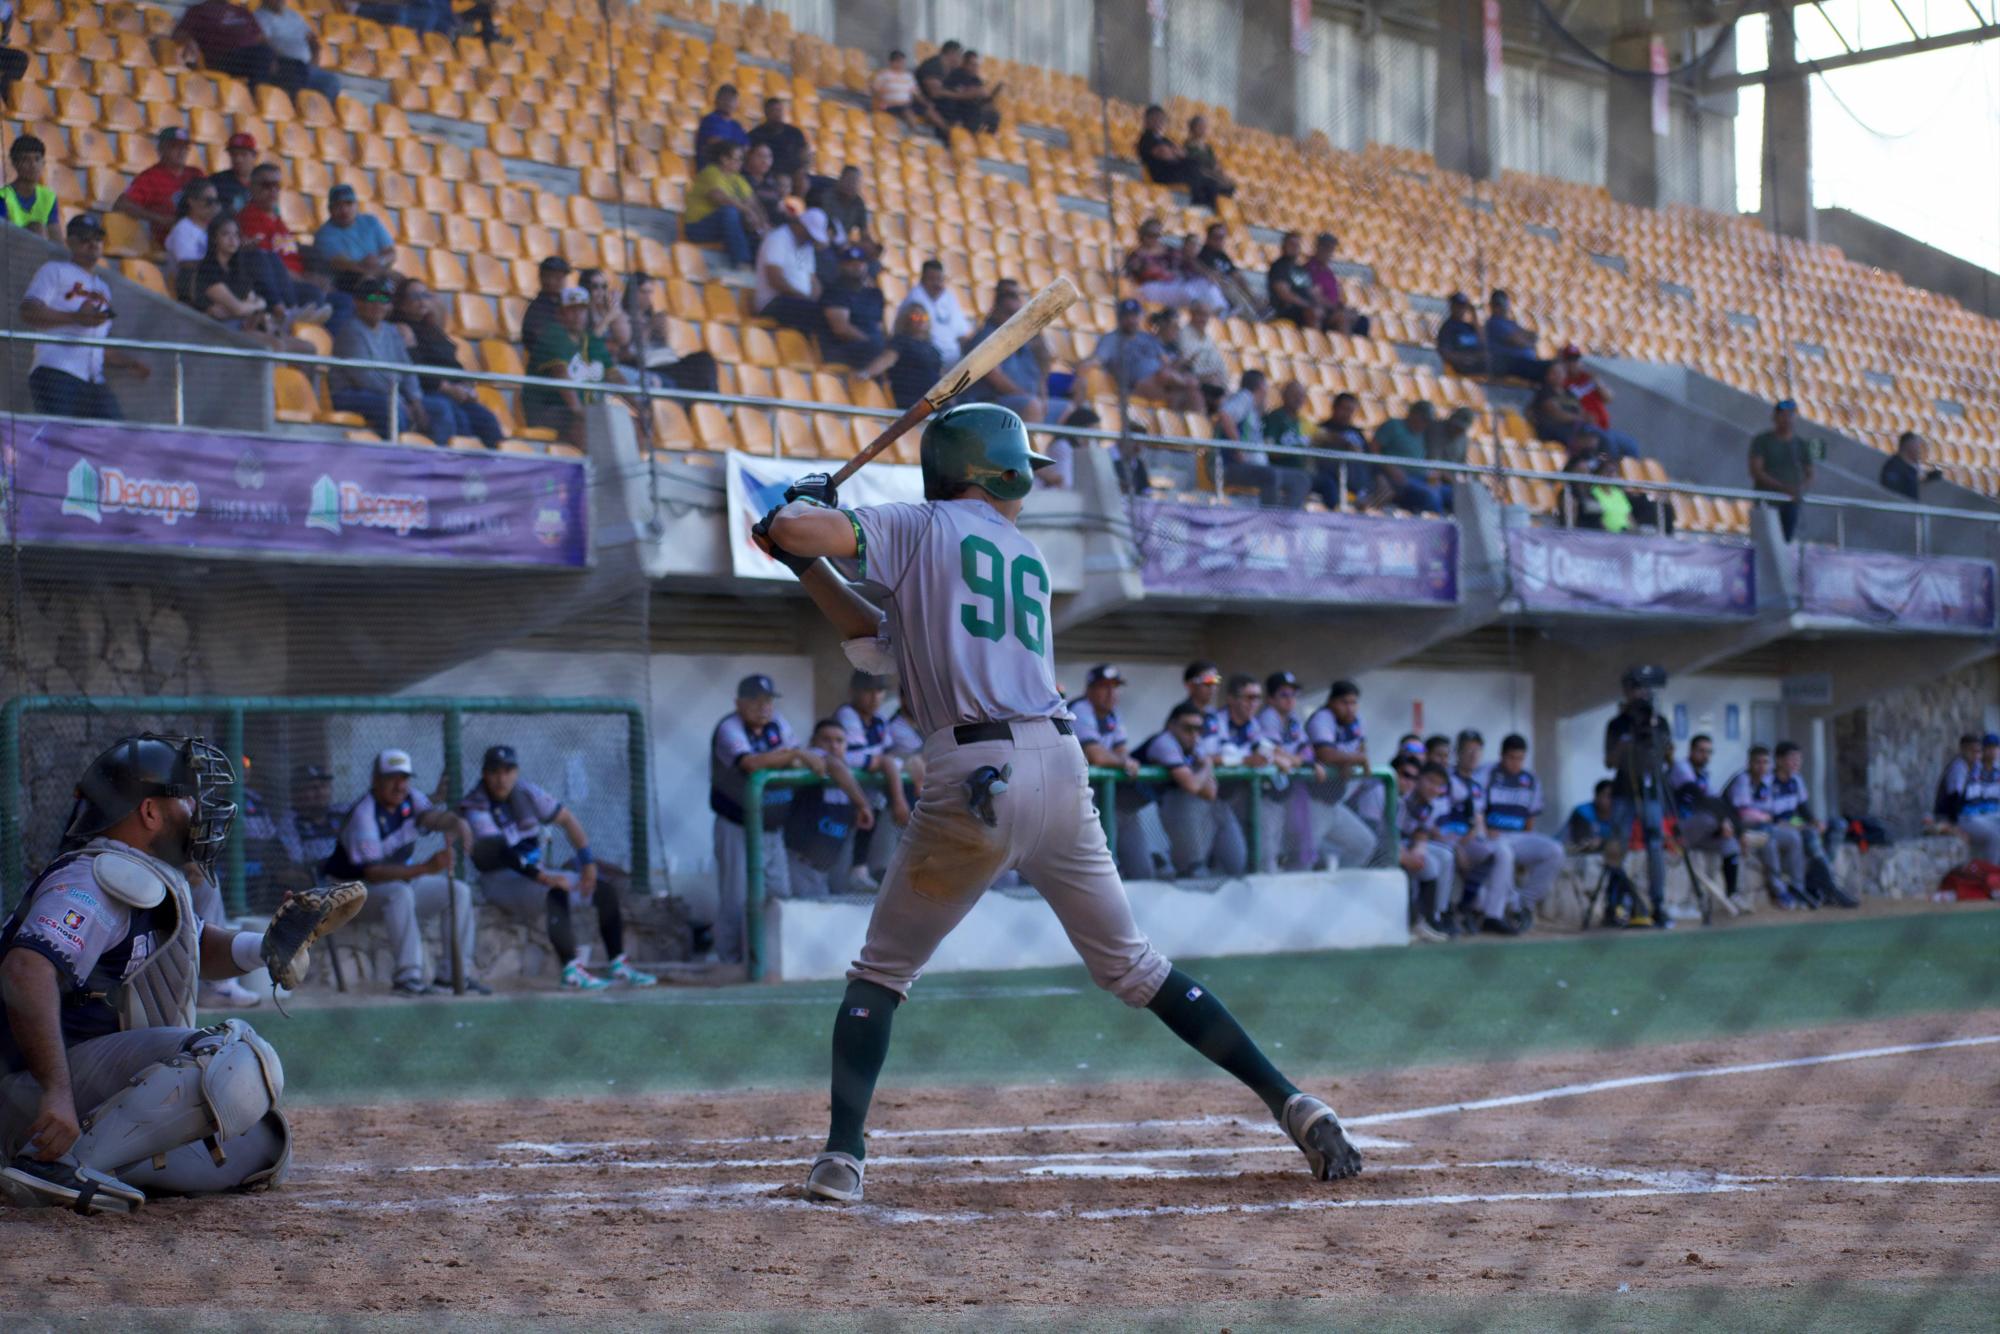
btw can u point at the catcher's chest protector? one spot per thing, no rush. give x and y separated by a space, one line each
160 993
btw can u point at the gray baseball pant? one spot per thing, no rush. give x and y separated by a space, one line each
1784 857
1494 894
1339 834
1045 827
732 882
1702 832
402 905
1440 868
809 882
1202 834
1538 860
1982 836
1140 838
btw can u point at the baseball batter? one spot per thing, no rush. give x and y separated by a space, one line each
1005 784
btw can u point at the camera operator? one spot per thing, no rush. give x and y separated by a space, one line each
1635 743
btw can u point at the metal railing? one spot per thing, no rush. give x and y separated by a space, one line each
1106 781
234 710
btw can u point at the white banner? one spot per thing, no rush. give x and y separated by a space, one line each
756 483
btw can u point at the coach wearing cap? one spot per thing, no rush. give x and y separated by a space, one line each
67 297
753 736
376 845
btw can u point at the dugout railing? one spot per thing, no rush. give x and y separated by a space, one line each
1921 516
1106 782
46 740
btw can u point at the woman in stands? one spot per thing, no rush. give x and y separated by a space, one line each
187 242
224 290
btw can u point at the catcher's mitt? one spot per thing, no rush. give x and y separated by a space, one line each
305 916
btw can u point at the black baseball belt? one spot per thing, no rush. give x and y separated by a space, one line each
968 734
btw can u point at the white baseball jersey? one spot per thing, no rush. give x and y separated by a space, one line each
968 610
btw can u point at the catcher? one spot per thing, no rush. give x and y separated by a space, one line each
109 1091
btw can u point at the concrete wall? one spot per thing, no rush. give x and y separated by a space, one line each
1902 740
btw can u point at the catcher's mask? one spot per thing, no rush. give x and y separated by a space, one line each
152 765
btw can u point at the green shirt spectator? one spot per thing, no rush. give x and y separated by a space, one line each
1783 460
710 186
1448 441
1404 439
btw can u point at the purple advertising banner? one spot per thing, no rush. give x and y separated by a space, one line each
1212 551
1564 570
87 484
1938 592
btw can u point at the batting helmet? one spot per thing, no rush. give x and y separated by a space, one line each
151 765
982 445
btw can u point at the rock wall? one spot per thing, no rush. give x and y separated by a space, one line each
1909 734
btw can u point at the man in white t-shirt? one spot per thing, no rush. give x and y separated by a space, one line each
67 297
788 269
949 322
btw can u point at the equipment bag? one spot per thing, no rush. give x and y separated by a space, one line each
1973 882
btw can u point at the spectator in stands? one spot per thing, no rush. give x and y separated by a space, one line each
1449 441
651 350
1140 364
226 38
786 141
823 819
453 403
968 101
1294 295
232 185
1285 424
1781 463
540 316
1510 346
1199 353
1240 417
1583 386
722 206
719 126
753 736
1203 833
568 351
154 194
1460 344
767 188
1340 317
1555 414
949 324
850 312
370 337
1590 827
608 323
1213 259
1570 383
917 365
1167 163
376 845
295 50
1340 431
1903 471
354 245
893 92
1018 382
1400 484
510 819
1206 178
13 62
30 203
281 272
1610 509
846 211
68 297
931 76
788 286
222 286
1163 278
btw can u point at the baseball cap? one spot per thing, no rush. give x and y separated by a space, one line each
867 681
1471 734
1277 681
372 289
555 264
757 686
311 773
394 762
814 221
1786 405
85 224
172 134
1129 306
575 296
1201 671
237 141
1104 671
1458 299
1990 739
853 252
340 194
499 757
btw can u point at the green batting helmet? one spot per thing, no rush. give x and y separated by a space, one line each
978 444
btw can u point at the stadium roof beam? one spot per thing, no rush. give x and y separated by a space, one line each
1985 32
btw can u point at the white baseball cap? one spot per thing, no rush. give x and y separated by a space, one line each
814 221
575 296
393 762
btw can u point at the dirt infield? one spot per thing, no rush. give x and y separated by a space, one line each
1848 1162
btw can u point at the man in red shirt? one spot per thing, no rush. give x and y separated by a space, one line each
224 37
154 193
1583 386
278 271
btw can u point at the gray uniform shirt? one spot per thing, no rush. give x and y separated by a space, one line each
968 612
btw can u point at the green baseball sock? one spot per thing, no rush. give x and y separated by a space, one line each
860 1045
1204 1023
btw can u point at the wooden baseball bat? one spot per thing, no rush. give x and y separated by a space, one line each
974 366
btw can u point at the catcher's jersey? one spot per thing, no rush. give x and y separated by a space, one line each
968 610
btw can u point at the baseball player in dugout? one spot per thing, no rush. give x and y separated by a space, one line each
509 818
110 1094
965 623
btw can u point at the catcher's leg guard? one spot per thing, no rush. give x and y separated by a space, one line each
220 1086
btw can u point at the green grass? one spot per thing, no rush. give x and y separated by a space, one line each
1318 1014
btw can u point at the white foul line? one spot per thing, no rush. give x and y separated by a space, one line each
1637 1081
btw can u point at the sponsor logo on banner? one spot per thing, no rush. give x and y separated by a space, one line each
549 522
336 505
92 493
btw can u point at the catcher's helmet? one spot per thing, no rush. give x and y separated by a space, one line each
978 444
152 765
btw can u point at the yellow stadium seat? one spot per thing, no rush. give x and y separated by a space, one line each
712 428
759 348
293 395
671 429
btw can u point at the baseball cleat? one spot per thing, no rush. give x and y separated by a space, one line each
1316 1130
577 979
835 1176
65 1184
630 976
